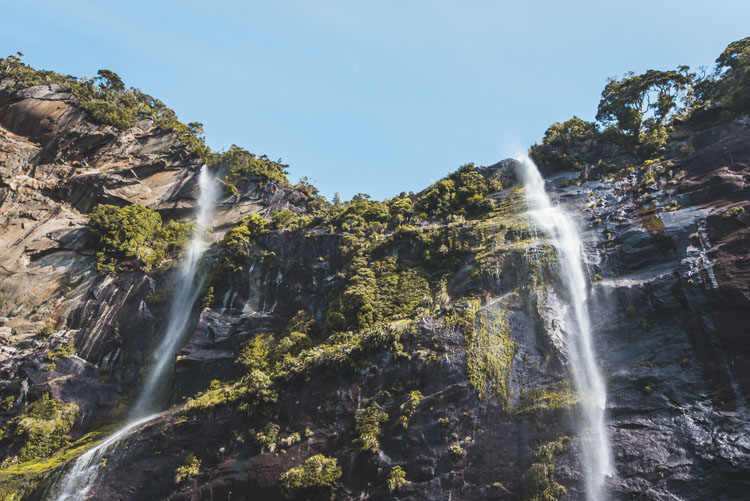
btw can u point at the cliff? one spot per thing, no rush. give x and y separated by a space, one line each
415 343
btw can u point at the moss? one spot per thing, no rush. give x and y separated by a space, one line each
548 402
396 479
408 407
317 478
489 349
538 482
189 469
367 422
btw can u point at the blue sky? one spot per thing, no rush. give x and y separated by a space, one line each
374 97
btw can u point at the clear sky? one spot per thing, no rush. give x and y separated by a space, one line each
372 96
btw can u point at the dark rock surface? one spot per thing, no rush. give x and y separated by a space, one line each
670 297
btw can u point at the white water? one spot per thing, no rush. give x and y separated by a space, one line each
559 228
81 477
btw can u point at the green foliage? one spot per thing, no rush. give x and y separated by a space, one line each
396 479
367 422
43 428
241 164
735 211
133 231
208 297
538 482
642 102
408 407
48 329
237 244
489 348
58 353
189 469
550 401
106 100
464 192
266 438
457 452
567 145
378 291
731 83
317 478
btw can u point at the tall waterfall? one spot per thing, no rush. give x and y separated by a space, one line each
561 231
82 475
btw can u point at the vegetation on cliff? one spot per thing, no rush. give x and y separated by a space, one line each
639 114
133 232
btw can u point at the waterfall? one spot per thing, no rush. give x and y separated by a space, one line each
561 231
78 481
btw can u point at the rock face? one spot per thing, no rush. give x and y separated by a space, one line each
667 256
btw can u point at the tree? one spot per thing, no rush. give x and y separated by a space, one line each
112 80
639 101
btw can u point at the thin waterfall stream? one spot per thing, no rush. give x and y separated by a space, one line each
562 233
77 482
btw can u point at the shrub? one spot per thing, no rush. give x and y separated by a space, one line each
189 469
266 438
408 407
457 452
567 145
463 192
43 427
241 164
367 423
396 479
538 482
317 478
133 231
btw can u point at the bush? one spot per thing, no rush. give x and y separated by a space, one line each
317 478
464 192
538 482
567 145
43 427
408 407
189 469
457 452
241 164
133 231
367 423
266 438
396 479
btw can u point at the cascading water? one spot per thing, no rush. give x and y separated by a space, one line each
559 228
79 480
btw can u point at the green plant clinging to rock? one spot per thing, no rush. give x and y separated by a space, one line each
317 478
367 422
43 427
189 469
538 482
396 479
107 100
408 407
133 231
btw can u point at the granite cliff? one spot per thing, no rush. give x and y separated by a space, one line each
404 349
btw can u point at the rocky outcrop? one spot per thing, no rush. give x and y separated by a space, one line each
666 251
